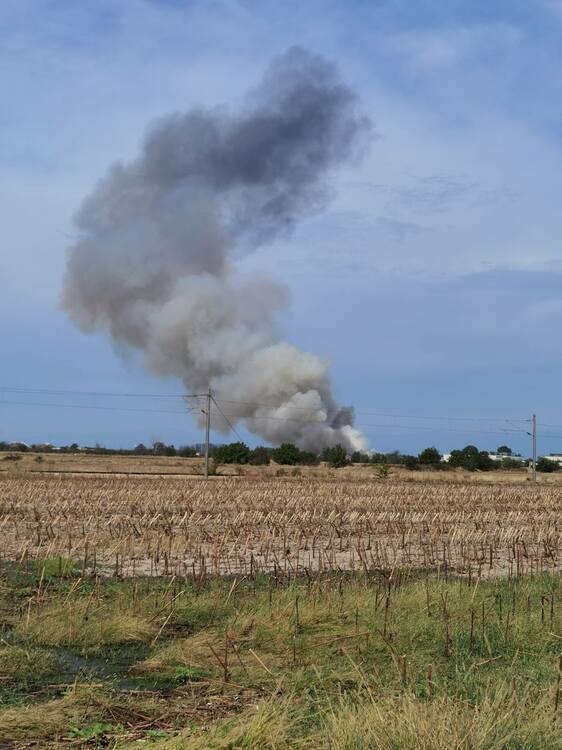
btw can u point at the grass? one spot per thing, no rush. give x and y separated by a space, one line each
339 662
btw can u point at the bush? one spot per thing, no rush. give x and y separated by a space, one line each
547 466
336 457
511 463
411 462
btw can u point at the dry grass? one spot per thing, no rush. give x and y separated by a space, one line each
193 529
32 464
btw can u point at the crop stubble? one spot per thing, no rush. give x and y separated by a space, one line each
190 528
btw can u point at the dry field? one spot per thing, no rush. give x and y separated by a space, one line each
309 656
63 464
290 525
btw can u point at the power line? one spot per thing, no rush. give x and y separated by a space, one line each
227 420
91 406
370 424
111 394
441 429
366 412
257 418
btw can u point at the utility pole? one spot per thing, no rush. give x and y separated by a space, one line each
534 438
207 431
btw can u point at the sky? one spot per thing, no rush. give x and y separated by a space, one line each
432 282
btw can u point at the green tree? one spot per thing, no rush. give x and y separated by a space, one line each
394 457
336 456
472 459
359 457
233 453
485 463
547 466
307 458
511 463
411 462
260 456
187 451
159 448
287 454
505 450
429 456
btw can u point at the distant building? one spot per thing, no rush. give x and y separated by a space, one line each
504 456
497 457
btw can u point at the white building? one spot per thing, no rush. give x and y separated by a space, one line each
498 457
502 456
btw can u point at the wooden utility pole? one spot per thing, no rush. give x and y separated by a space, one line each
534 439
207 432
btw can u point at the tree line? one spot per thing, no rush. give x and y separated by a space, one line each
469 457
156 449
288 454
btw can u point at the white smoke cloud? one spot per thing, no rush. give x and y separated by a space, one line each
155 264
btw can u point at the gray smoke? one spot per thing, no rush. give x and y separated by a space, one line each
155 264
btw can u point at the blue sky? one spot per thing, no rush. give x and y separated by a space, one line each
432 282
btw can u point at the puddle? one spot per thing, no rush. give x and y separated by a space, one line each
113 668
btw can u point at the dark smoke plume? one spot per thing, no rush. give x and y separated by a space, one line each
155 264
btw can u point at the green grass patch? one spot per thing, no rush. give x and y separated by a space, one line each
344 663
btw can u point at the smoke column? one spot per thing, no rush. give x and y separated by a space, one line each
155 263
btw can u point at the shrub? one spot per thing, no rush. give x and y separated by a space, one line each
336 457
511 463
547 466
411 462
